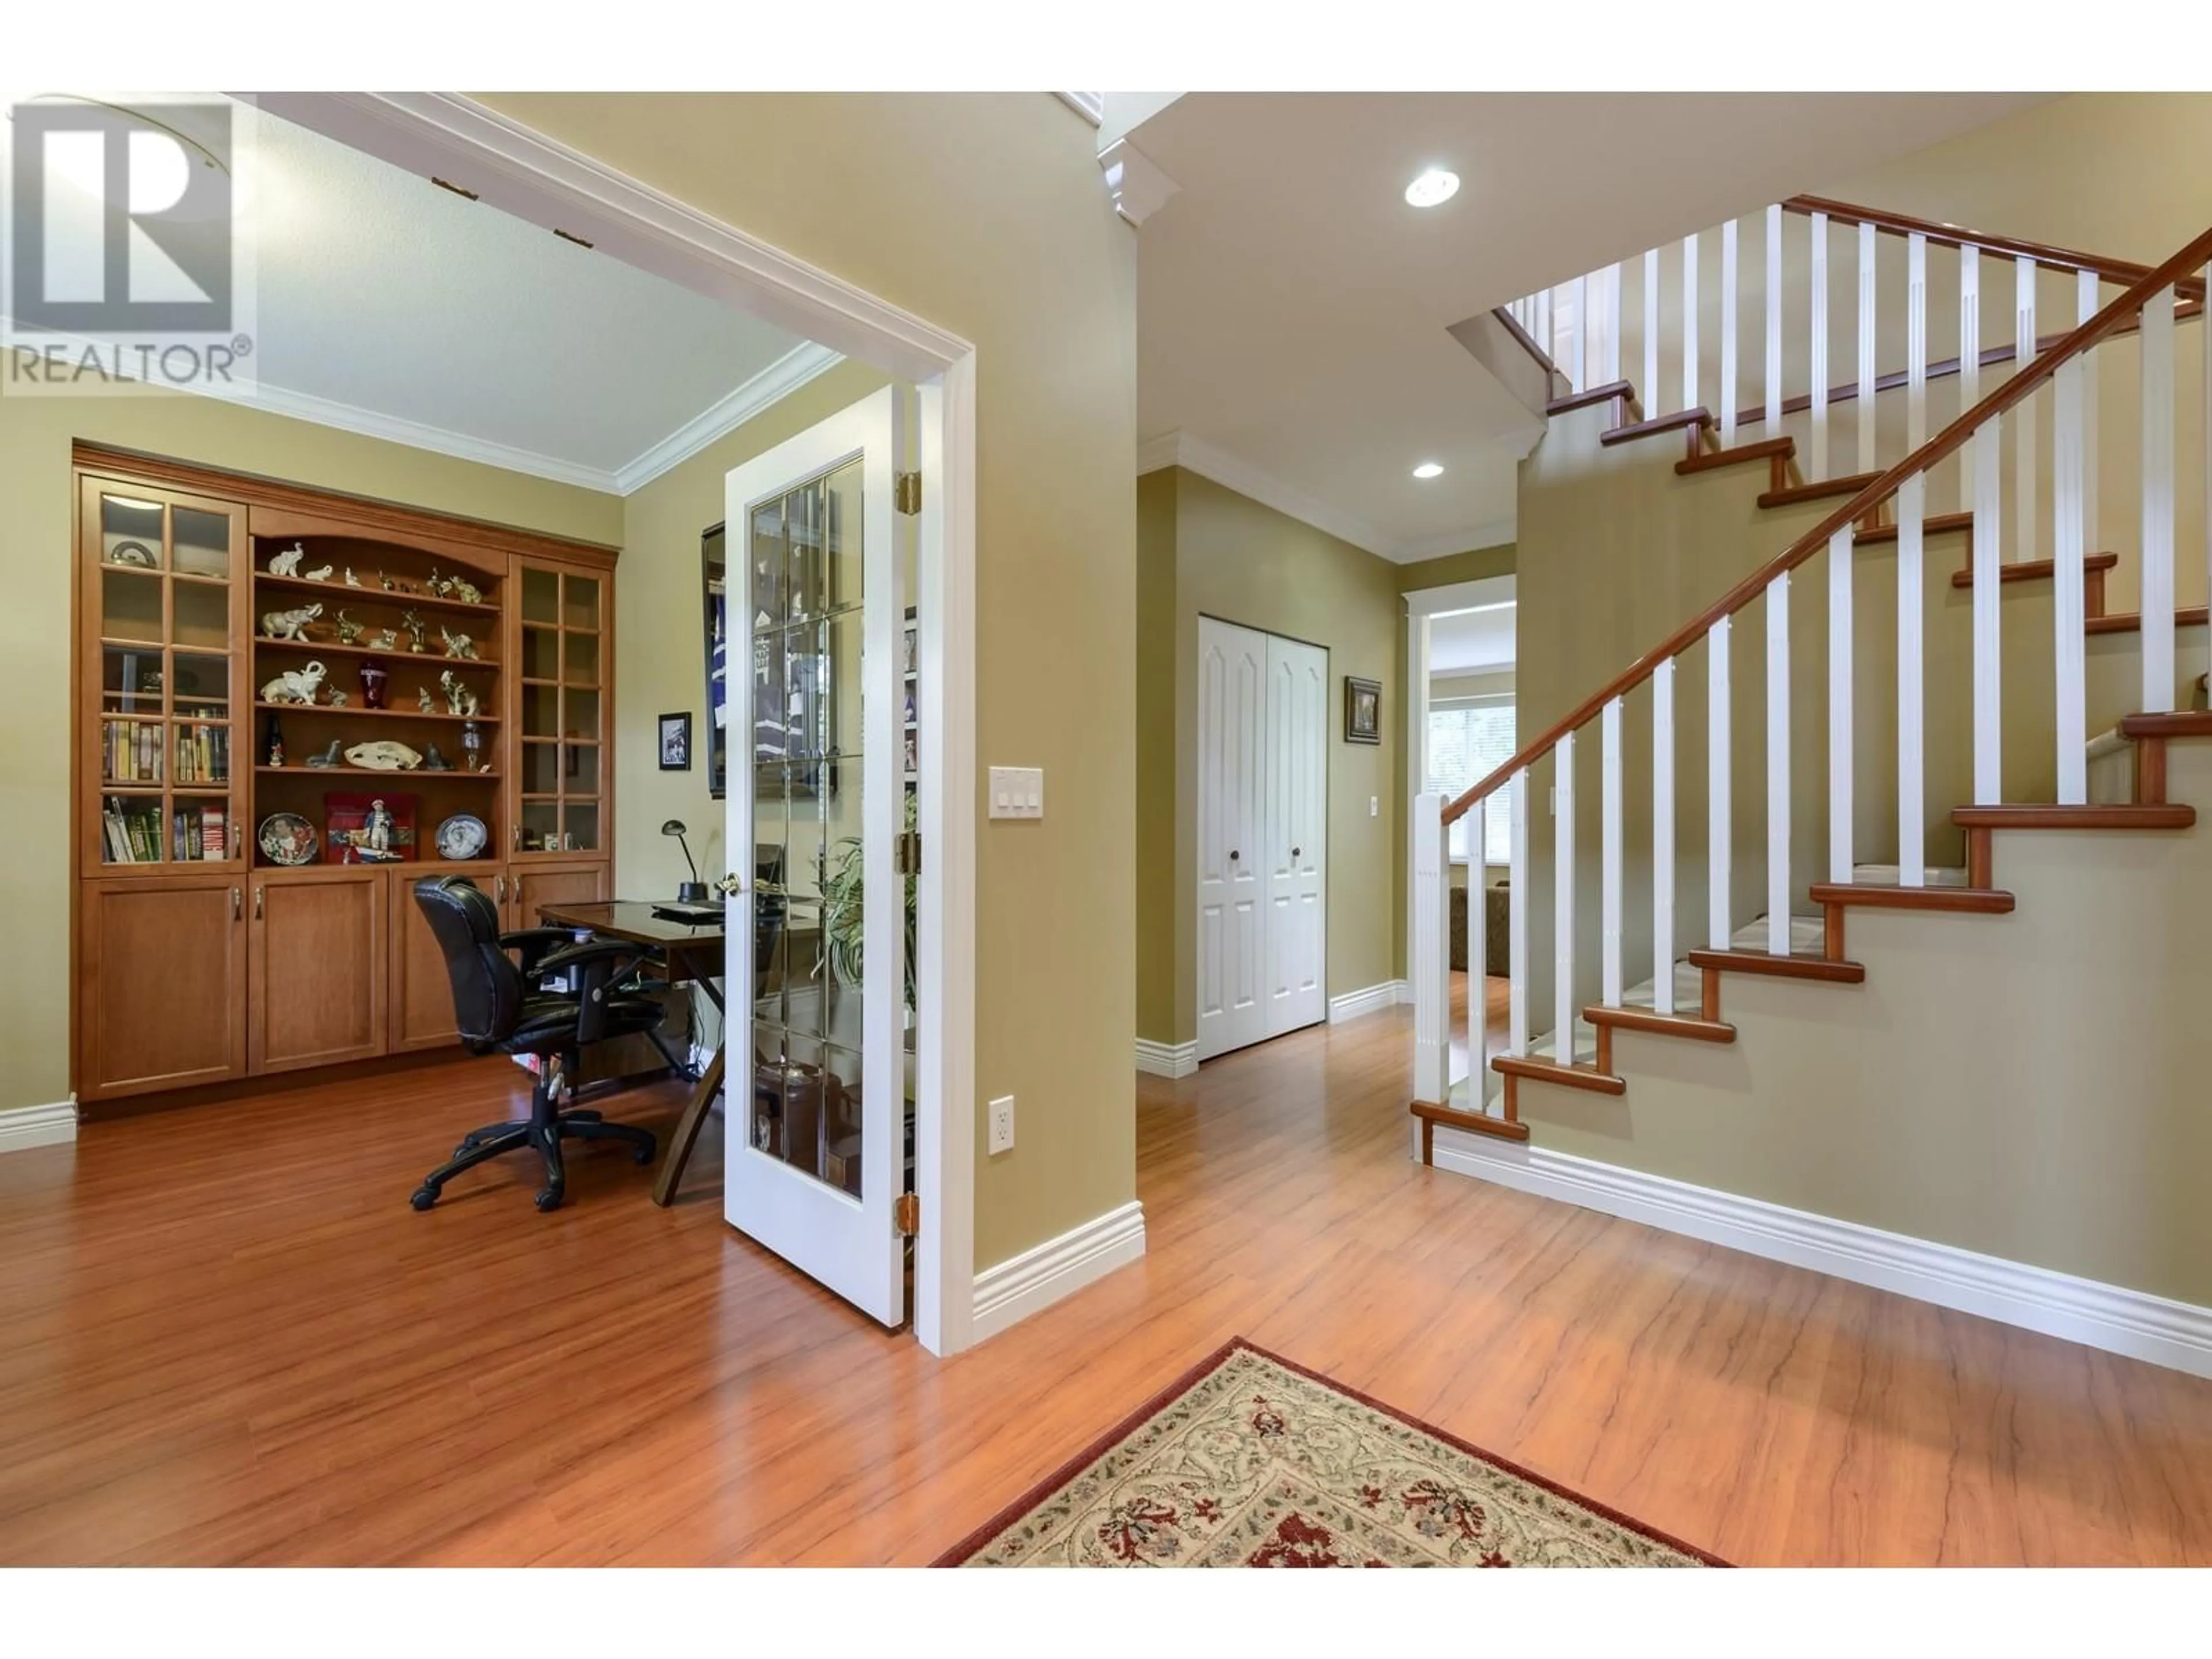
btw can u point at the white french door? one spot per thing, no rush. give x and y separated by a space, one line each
1262 856
816 1151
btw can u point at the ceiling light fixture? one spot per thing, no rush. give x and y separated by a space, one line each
1432 188
1429 470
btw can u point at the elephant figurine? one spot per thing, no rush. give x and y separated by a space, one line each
461 588
295 684
460 698
287 564
289 625
320 574
459 646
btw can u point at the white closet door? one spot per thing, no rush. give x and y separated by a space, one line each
1232 673
1295 823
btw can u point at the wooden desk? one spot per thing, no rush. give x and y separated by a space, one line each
693 954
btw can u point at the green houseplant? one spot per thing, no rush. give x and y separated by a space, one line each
843 909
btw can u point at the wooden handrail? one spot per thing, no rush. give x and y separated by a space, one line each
1943 444
1527 342
2044 253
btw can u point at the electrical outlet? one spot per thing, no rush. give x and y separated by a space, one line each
1002 1125
1374 805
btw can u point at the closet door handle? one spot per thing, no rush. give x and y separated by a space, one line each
1295 851
499 886
259 893
237 904
1232 855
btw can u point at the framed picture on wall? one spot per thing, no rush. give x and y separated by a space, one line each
1362 710
676 742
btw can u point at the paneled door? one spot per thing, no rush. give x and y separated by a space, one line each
815 1160
1262 824
1232 675
1293 836
317 966
161 990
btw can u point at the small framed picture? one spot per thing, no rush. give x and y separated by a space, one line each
1362 710
676 742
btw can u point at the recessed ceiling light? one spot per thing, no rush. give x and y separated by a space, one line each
1429 470
1435 185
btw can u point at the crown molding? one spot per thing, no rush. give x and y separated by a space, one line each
1091 106
779 380
420 435
1196 455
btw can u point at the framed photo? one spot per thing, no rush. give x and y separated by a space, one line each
676 742
1362 710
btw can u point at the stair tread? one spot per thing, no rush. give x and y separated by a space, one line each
1935 524
2043 816
1850 485
1889 875
2030 570
1674 423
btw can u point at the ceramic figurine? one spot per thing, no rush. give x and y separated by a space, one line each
457 645
386 583
327 759
459 699
287 564
416 632
437 585
472 745
384 756
465 590
272 743
295 684
348 629
386 641
320 573
338 698
423 700
372 676
351 580
289 625
435 762
379 826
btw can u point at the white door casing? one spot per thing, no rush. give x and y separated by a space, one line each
851 1245
1232 675
1294 831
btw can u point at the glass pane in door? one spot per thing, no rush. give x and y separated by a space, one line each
805 594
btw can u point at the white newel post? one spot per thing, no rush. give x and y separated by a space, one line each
1431 954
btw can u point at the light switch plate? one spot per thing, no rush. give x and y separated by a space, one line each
1001 1130
1017 792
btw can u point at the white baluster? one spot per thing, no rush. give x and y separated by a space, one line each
1478 965
2025 516
1970 361
1516 930
1915 341
1544 335
1690 321
1777 765
1719 826
1649 386
1912 770
1578 352
1773 394
1867 369
1839 705
1987 451
1609 371
2157 501
1728 333
1662 837
1819 338
2067 608
2087 295
1563 902
1609 860
1431 955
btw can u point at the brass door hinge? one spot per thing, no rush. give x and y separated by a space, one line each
906 1214
907 494
909 852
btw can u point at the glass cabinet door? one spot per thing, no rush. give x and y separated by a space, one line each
561 748
164 585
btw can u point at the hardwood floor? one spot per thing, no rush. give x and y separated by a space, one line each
224 1337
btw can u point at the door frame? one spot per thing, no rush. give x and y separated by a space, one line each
525 173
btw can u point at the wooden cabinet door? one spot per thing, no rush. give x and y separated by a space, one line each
160 984
533 885
317 967
422 994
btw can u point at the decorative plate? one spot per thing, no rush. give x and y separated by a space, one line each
463 836
287 838
135 555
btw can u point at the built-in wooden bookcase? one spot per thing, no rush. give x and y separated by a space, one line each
200 958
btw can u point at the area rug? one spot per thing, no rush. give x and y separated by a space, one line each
1249 1461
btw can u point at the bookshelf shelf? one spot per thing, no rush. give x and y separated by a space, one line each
357 711
367 595
395 655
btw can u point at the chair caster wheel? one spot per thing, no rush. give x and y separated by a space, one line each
424 1197
549 1199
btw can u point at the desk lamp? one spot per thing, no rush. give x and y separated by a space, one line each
693 891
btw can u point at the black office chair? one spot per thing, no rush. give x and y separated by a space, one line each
502 1006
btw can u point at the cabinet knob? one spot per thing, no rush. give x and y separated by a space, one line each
1232 855
499 887
259 893
237 904
1295 851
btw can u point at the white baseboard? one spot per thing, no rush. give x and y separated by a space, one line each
1373 999
2178 1334
22 1128
1167 1059
1037 1277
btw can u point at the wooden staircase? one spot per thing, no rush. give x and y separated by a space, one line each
1802 933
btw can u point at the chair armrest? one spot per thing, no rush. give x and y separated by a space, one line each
534 944
597 963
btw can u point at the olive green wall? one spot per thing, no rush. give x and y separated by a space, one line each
36 540
660 635
1161 988
986 214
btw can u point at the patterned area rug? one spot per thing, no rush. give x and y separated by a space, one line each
1248 1460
